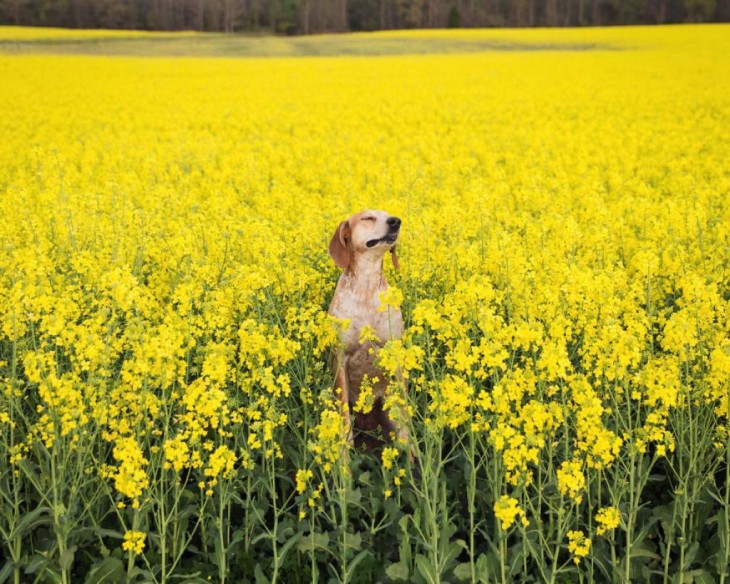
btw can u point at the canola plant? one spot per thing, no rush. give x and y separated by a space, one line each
166 403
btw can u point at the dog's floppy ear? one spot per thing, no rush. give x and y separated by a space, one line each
339 248
394 255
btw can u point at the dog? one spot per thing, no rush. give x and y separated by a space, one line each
359 246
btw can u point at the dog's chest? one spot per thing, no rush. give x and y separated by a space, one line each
365 312
360 307
384 326
360 346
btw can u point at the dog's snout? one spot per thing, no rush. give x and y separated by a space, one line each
393 222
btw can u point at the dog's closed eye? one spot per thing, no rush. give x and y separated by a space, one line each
368 219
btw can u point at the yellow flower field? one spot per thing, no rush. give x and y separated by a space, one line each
167 407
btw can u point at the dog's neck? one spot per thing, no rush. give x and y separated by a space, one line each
364 274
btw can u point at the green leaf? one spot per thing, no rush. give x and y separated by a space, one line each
484 569
365 478
235 540
39 516
405 553
259 575
354 541
144 575
260 537
446 532
451 552
67 558
398 571
285 534
722 540
8 569
288 545
35 563
702 577
358 558
463 571
691 553
101 532
665 515
354 497
639 551
194 578
314 541
110 569
425 569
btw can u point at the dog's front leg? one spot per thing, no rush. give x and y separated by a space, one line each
400 416
402 419
342 388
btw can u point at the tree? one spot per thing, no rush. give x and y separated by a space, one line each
315 16
699 10
12 9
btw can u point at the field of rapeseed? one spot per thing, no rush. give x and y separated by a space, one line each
166 404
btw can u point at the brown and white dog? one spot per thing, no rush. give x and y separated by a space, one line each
359 246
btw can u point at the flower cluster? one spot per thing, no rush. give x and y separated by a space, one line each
134 541
507 510
608 519
579 545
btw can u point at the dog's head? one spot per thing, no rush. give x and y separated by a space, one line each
367 232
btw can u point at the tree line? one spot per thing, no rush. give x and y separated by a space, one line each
315 16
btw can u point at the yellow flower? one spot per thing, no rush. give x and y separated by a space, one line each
368 335
221 463
608 519
303 477
579 545
451 402
366 399
131 477
396 358
177 453
389 455
571 481
507 510
134 542
329 441
391 297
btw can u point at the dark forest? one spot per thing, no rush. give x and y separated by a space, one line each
317 16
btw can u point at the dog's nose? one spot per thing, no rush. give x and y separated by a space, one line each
393 222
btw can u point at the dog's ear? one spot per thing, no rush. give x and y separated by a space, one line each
394 255
339 245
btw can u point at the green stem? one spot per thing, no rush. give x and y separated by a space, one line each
163 532
668 551
274 542
130 553
471 495
726 517
343 510
630 518
222 564
683 532
502 555
58 515
17 545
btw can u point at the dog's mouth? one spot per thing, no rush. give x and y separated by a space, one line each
388 238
